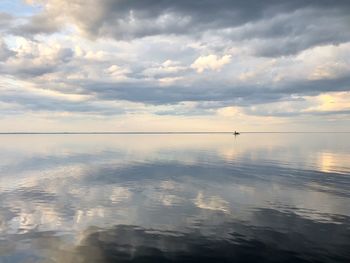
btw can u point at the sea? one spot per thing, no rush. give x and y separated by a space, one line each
175 197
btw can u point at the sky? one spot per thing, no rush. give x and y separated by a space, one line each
164 65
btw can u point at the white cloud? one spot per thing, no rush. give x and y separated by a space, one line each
167 68
211 62
117 72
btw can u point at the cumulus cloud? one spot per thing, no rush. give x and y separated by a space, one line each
117 72
166 69
212 62
32 59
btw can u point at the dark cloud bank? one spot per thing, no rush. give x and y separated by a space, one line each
293 25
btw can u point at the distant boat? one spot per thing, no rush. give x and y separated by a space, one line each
236 133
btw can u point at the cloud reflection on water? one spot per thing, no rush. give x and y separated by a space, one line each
192 191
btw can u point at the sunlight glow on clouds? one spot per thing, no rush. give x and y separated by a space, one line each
210 62
112 65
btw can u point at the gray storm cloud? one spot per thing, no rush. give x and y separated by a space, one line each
293 25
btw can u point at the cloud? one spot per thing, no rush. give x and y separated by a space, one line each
168 68
28 101
22 98
37 24
290 33
176 58
118 72
240 94
210 62
293 25
5 21
33 59
5 52
169 87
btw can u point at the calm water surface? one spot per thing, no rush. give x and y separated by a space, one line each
175 198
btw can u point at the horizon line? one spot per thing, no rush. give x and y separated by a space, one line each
163 132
